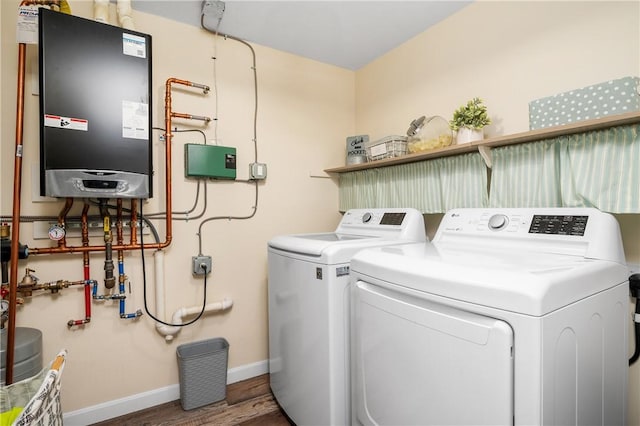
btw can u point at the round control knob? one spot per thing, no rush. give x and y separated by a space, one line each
498 221
366 218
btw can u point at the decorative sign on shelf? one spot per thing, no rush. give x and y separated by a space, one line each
356 153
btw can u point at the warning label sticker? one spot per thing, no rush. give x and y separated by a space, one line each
66 122
134 45
27 25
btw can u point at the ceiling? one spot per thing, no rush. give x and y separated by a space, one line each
348 34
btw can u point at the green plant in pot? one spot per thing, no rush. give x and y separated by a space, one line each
469 121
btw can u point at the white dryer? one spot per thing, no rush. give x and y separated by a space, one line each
309 310
510 316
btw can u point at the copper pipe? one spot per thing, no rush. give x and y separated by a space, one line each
62 218
65 211
134 221
119 233
93 249
167 141
15 218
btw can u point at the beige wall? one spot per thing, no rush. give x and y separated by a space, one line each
527 51
306 109
507 53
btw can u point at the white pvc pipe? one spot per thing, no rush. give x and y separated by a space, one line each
168 331
123 8
101 11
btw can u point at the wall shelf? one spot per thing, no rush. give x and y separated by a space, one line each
486 144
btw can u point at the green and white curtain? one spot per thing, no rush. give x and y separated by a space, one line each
594 169
433 186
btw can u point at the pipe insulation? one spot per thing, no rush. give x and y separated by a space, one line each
123 9
101 11
169 332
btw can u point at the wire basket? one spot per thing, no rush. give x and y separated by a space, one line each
388 147
34 401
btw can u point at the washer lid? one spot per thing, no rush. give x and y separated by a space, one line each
315 244
527 282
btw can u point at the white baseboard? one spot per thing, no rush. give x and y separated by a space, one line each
119 407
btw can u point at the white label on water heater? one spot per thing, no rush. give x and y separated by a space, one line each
134 45
135 120
69 123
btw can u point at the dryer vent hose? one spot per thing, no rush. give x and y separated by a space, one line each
634 287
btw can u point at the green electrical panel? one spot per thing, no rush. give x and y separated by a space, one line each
209 161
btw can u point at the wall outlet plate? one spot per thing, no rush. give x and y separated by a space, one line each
201 265
257 171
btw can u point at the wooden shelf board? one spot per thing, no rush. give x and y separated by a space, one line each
517 138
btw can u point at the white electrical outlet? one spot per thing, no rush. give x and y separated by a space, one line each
257 171
201 265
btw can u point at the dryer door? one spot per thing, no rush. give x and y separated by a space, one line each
417 362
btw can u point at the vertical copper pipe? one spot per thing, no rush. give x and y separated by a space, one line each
134 222
119 232
167 140
62 219
15 218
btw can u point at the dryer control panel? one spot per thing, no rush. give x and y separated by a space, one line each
558 224
581 231
555 224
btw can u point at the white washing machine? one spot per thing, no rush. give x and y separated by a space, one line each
510 316
309 310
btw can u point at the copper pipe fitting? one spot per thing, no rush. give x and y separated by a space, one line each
62 218
134 221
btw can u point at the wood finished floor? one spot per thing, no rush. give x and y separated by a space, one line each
248 403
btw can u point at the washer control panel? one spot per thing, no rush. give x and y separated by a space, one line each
374 217
384 222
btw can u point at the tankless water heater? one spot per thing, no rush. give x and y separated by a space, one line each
95 118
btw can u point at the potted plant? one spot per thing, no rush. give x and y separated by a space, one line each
469 121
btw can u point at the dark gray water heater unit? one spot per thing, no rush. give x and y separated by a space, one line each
95 109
